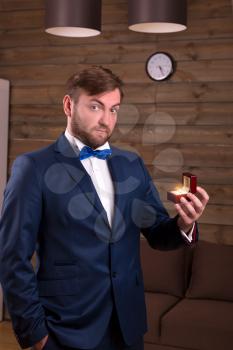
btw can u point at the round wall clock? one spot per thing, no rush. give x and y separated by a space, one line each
160 66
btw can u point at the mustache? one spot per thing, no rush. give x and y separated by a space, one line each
102 128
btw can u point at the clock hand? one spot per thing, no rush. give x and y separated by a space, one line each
160 68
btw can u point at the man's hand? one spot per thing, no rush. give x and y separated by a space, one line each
190 210
40 345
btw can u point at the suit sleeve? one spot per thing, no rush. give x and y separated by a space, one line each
19 226
161 231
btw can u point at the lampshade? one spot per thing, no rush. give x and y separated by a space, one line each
73 18
157 16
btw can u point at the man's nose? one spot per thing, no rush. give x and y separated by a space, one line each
105 117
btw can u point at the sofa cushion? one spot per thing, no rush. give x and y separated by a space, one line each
163 271
157 304
199 324
212 272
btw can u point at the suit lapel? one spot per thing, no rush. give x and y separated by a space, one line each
125 184
119 203
70 161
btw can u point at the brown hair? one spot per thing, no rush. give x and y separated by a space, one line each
94 80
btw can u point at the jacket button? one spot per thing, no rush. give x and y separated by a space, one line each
114 274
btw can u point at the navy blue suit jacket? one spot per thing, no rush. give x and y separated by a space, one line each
83 265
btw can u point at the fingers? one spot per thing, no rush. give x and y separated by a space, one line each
186 211
191 207
195 202
203 195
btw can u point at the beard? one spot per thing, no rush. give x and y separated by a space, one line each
93 138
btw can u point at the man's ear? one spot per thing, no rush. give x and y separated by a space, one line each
67 105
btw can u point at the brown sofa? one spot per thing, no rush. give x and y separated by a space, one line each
189 297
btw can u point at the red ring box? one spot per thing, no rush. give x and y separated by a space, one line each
189 185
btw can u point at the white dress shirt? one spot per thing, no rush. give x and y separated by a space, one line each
102 180
100 175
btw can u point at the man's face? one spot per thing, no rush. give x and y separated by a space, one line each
92 118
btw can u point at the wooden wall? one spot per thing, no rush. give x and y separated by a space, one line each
184 124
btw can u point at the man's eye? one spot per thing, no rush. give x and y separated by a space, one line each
95 107
114 110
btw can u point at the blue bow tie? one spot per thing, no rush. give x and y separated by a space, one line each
87 152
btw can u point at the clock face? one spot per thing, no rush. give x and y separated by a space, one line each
159 66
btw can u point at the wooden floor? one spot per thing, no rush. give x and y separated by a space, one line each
7 338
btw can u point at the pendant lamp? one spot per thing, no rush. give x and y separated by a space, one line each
157 16
73 18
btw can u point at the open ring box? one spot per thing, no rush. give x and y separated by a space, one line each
189 185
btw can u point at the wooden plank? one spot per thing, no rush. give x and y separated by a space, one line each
204 29
49 114
149 134
196 9
123 53
208 8
21 19
198 50
206 70
37 95
187 114
161 134
54 94
134 93
205 173
198 71
216 233
179 155
24 38
13 5
198 92
36 131
218 215
18 147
